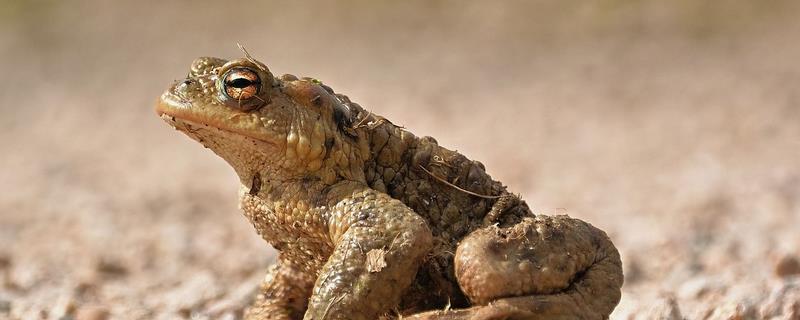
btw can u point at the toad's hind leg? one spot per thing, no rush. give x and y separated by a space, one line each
541 268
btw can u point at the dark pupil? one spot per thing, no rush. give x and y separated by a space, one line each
240 83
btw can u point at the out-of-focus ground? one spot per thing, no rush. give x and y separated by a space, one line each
672 125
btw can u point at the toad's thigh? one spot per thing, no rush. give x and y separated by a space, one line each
541 268
540 256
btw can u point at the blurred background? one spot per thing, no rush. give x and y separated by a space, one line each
672 125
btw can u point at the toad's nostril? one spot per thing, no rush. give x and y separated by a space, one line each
183 87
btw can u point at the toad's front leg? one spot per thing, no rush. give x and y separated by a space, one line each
379 245
283 294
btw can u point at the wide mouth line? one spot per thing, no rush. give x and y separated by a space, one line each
170 100
166 110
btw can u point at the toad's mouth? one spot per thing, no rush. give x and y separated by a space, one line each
201 132
181 115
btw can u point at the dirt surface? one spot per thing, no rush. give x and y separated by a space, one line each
674 126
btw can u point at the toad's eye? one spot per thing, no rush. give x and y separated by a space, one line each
243 87
241 84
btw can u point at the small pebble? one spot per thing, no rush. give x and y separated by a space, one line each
633 270
111 268
699 287
229 316
5 261
24 277
666 308
64 308
5 306
92 313
185 312
787 266
733 311
84 288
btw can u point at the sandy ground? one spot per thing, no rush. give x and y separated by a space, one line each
674 126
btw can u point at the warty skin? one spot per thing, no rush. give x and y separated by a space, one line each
371 221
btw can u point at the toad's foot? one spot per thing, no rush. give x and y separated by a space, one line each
541 268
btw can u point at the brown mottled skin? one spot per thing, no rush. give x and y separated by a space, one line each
371 221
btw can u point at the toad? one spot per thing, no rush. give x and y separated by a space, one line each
373 222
